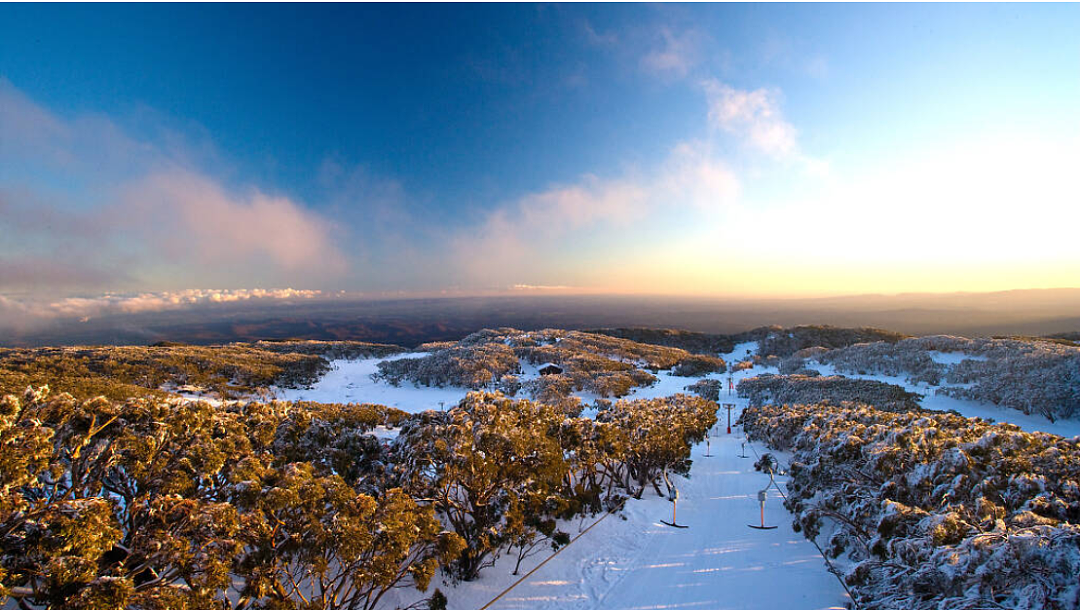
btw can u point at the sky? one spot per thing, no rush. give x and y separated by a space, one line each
234 151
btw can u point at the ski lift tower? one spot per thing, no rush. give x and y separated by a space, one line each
729 406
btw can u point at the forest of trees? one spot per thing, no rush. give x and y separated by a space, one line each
772 340
695 343
168 504
933 510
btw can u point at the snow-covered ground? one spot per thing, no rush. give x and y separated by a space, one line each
951 358
631 560
741 351
350 381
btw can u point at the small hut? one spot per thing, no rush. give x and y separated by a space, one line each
551 369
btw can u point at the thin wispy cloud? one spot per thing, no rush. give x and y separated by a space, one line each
595 38
676 54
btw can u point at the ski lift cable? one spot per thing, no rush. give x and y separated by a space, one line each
832 569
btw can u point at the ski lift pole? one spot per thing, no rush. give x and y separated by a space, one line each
761 496
673 495
729 406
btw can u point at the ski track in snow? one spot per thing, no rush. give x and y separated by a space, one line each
630 560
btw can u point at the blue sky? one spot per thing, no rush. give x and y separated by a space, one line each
693 149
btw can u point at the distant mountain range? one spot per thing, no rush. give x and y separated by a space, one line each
410 322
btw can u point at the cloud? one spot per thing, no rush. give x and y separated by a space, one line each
86 204
195 220
33 312
36 272
29 128
17 315
677 54
83 307
536 236
753 116
598 39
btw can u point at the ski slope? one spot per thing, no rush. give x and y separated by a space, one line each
631 560
717 562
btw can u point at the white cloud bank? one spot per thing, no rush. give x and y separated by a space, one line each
30 312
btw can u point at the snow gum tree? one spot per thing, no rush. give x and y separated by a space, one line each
113 504
167 504
659 434
314 542
484 459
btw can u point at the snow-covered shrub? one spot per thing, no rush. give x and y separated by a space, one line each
908 358
501 472
659 434
471 365
331 350
693 342
509 385
933 510
606 366
709 389
794 365
1039 377
1030 375
783 342
698 366
791 389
